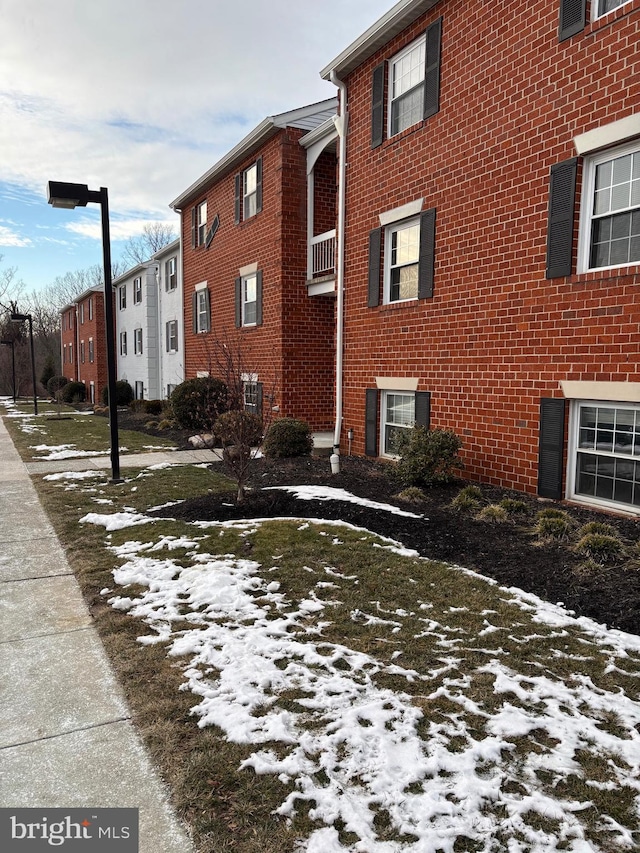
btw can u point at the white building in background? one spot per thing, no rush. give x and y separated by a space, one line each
149 325
170 318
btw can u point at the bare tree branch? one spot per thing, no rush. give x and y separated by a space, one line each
155 236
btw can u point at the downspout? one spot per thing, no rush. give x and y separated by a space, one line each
341 122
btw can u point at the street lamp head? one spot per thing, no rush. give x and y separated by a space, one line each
60 194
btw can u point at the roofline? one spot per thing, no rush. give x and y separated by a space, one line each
138 268
170 247
385 28
267 128
327 128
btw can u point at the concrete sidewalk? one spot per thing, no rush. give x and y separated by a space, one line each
66 738
127 460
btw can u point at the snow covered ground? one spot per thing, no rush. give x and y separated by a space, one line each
443 763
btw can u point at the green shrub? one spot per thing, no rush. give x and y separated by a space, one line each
56 383
198 403
597 527
494 513
599 546
467 498
512 506
73 392
124 393
288 437
552 524
153 407
428 456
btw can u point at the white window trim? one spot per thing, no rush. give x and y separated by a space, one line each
123 343
586 206
608 134
398 225
200 313
390 98
169 275
122 297
137 341
383 417
405 211
572 456
137 290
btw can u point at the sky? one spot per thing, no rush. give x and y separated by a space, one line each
142 98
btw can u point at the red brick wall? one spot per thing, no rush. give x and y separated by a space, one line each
292 350
496 336
95 328
68 322
325 193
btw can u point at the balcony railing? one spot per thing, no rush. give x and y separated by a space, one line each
322 254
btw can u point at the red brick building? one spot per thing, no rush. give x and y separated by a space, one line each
492 239
83 341
250 281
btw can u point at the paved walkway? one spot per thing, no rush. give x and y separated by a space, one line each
66 737
127 460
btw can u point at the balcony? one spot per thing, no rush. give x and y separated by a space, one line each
321 263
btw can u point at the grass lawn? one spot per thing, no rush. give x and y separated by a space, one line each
306 685
62 432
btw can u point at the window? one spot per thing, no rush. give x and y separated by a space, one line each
170 389
123 343
91 350
401 269
198 224
139 390
82 313
406 88
409 91
92 392
397 416
137 341
122 296
70 353
82 352
91 308
252 392
248 192
71 319
406 255
171 334
606 453
201 310
601 7
171 274
610 225
137 290
248 298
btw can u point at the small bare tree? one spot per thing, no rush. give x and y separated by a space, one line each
155 236
242 429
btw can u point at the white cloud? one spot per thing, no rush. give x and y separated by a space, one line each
9 237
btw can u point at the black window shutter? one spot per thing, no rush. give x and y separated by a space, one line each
258 184
377 104
562 195
551 447
166 335
423 408
238 300
432 69
427 253
573 17
371 422
238 201
259 298
375 247
259 399
194 309
194 228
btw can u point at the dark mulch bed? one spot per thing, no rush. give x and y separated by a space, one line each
508 552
